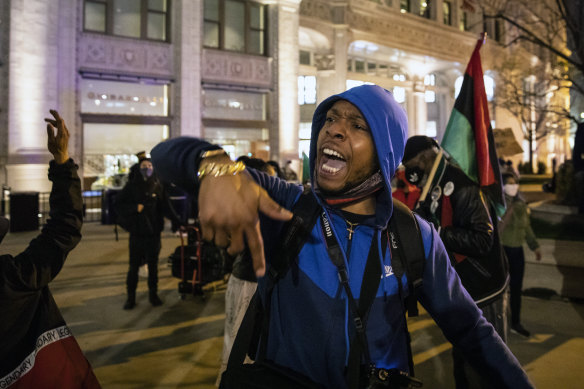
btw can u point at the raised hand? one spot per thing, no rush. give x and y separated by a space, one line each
228 212
57 143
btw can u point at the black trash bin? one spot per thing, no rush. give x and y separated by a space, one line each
108 209
24 211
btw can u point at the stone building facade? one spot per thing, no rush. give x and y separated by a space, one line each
191 67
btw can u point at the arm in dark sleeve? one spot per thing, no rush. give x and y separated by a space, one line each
177 160
283 192
43 259
461 321
472 231
125 204
168 210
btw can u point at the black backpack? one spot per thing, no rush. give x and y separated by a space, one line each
252 336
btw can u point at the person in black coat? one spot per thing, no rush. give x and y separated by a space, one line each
456 205
141 207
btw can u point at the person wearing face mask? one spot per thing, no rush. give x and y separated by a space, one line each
515 229
458 209
143 203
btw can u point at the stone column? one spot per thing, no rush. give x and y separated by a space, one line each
332 69
187 27
341 56
437 11
4 47
326 76
284 34
42 76
420 108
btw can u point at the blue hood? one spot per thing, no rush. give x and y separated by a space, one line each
389 127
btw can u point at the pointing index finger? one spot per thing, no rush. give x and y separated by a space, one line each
256 249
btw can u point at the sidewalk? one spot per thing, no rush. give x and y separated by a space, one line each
178 344
560 272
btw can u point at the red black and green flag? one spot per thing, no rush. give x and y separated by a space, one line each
468 138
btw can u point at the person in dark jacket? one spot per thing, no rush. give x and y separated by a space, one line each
458 208
37 349
357 142
142 205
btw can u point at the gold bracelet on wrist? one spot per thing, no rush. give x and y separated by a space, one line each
213 153
220 169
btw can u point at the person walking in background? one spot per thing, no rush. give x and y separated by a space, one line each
277 169
289 173
515 229
37 349
141 207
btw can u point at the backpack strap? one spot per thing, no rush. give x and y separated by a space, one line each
404 231
254 326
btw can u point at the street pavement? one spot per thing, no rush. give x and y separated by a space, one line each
178 344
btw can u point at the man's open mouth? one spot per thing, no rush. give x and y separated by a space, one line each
332 161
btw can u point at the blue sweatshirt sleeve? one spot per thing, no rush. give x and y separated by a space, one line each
461 321
177 160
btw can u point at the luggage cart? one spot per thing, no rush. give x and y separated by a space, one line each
186 262
197 263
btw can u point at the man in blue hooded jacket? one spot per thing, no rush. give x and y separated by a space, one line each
358 140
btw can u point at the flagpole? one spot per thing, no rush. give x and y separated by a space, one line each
430 177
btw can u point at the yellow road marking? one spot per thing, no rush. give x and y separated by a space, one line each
429 354
560 367
539 338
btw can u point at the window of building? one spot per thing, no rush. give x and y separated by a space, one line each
304 57
430 79
446 12
123 98
382 70
431 129
425 8
120 119
304 132
306 90
235 25
463 23
142 19
371 67
404 6
400 94
489 86
399 77
499 31
359 66
430 96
